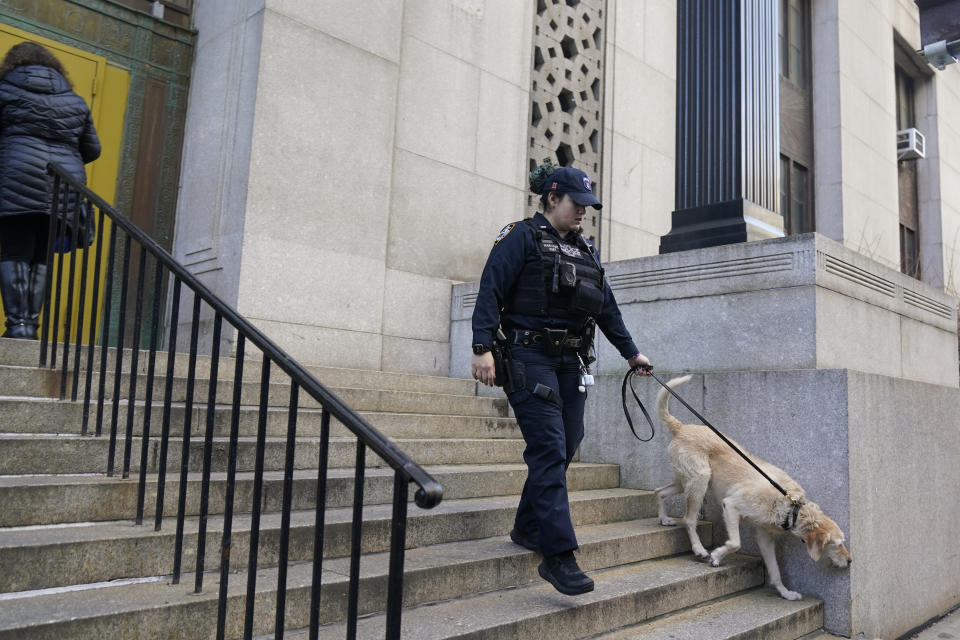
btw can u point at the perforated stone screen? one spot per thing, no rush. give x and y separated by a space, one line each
567 91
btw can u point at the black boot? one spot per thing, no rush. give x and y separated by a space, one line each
527 540
36 288
14 283
563 573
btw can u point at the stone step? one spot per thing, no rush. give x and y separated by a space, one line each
34 382
56 499
71 454
760 614
624 595
26 353
20 414
439 572
51 556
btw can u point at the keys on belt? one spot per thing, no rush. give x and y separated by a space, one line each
554 338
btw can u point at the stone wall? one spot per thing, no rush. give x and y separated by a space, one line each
877 453
361 157
216 153
638 138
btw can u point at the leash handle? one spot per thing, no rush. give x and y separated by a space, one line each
715 430
623 401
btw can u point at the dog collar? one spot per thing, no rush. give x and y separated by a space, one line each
794 513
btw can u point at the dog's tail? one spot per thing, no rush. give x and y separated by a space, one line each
663 398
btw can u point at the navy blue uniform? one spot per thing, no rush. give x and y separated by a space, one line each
552 430
516 247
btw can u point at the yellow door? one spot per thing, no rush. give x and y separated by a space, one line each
104 87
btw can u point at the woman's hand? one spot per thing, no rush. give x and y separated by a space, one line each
639 360
483 368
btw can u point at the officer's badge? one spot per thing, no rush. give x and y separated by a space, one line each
503 233
571 251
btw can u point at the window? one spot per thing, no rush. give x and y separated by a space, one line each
907 180
794 41
909 252
906 115
796 118
795 197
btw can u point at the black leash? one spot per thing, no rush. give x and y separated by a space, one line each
623 399
628 379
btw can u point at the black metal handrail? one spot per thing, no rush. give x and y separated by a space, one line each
72 211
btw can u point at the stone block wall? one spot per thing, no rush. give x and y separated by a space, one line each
877 453
348 161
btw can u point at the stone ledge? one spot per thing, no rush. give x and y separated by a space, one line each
800 302
808 259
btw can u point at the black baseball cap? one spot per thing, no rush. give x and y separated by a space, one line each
575 183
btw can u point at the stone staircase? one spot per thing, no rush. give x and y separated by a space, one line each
74 565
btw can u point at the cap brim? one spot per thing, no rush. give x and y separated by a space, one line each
585 200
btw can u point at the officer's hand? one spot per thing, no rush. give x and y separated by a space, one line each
637 361
483 368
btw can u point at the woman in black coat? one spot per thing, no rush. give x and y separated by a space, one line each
41 120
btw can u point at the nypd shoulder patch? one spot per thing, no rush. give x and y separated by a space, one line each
503 233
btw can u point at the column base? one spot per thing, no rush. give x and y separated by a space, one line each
718 224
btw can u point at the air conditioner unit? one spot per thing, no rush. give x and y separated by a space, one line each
910 144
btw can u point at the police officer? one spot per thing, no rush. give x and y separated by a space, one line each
544 286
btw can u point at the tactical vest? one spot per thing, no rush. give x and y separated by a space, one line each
561 281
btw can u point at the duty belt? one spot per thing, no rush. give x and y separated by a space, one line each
556 338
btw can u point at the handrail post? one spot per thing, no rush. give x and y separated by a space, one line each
319 524
356 541
47 290
285 512
148 401
226 541
167 400
92 346
208 453
398 542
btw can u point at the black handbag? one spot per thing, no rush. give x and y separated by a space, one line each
84 233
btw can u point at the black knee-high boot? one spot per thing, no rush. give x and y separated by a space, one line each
14 287
35 291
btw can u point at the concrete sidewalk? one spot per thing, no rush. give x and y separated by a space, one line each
944 629
947 628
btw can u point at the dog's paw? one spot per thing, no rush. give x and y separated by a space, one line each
716 557
700 552
790 595
668 522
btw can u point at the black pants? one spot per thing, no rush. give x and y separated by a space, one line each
552 432
23 238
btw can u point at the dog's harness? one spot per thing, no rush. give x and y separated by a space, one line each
795 501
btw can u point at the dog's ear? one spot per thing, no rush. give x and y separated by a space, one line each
816 540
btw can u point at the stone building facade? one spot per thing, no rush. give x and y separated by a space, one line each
346 166
349 165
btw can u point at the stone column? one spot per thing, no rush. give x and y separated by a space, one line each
727 124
